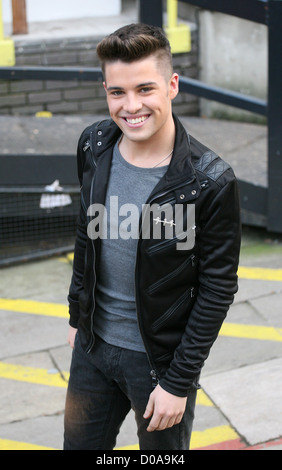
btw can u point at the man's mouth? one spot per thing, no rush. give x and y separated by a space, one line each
137 120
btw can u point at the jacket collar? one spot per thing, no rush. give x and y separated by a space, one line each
180 170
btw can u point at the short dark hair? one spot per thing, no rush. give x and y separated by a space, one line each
135 42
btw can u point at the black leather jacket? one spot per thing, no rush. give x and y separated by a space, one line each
182 295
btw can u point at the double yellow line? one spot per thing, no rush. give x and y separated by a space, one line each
263 333
53 378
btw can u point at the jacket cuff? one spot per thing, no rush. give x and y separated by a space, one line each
179 391
74 312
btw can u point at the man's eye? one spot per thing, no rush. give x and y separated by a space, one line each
116 93
145 90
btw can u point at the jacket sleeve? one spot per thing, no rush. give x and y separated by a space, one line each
219 247
76 285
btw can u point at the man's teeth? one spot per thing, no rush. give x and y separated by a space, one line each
137 120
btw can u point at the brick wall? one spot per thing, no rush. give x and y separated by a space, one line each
61 97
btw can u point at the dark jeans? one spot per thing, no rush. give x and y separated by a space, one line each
103 387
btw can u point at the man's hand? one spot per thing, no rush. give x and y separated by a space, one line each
166 409
71 336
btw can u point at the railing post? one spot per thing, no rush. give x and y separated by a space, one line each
172 13
7 48
151 12
19 17
179 35
275 117
1 23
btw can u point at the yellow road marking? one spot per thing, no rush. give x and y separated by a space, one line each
212 436
67 258
32 375
5 444
262 274
205 438
263 333
131 447
203 399
244 272
199 439
235 330
44 377
34 308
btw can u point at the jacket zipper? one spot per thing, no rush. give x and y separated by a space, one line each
83 201
154 372
89 348
168 190
94 286
171 241
87 146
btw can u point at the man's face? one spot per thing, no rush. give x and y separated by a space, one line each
139 97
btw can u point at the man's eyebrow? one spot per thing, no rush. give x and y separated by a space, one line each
111 88
141 85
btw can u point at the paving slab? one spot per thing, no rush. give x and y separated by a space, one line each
30 333
250 289
269 307
249 396
45 281
23 401
44 431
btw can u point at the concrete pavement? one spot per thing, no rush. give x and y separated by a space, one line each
239 406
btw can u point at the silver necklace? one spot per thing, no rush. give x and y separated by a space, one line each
155 166
164 159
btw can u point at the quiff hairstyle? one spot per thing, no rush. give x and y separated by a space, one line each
135 42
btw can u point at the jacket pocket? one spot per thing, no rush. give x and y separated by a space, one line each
187 297
181 238
164 244
190 261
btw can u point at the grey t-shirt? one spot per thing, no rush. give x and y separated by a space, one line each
129 187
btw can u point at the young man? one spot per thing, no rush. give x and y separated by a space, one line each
156 256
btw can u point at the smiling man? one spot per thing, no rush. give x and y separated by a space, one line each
142 109
147 308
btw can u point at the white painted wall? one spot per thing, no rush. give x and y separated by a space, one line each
233 55
48 10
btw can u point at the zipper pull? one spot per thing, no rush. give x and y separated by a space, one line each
155 379
86 146
192 292
205 184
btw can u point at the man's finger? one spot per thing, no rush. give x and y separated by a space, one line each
154 424
149 409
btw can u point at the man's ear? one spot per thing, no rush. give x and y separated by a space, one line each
105 86
174 86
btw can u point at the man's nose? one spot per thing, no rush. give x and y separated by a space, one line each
133 104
